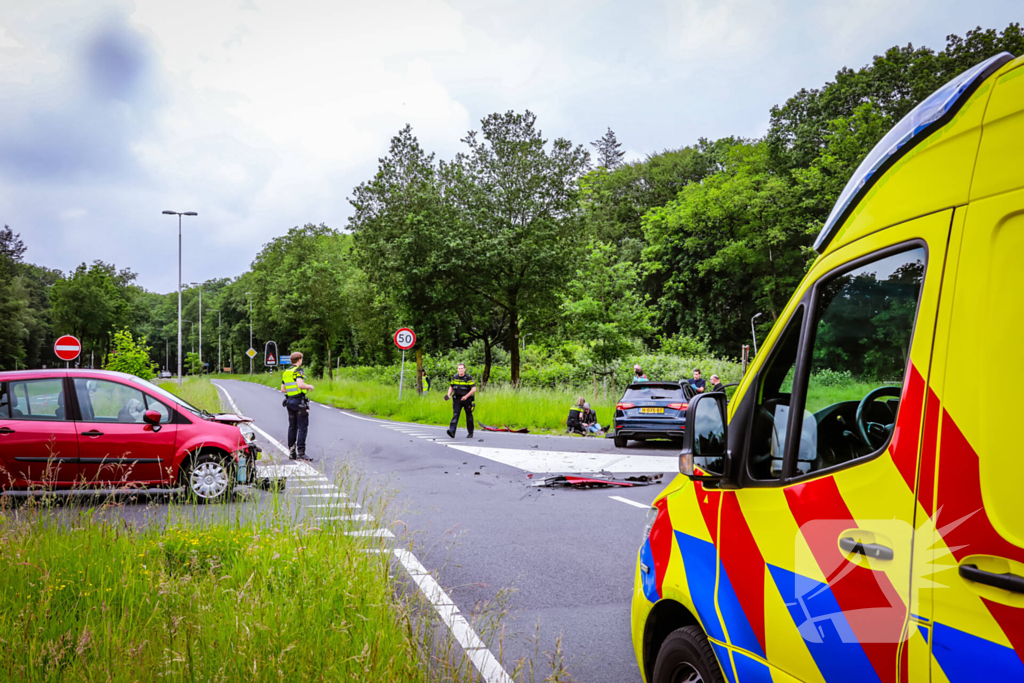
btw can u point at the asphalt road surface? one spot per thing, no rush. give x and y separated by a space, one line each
563 558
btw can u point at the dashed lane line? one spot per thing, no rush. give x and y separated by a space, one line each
482 658
627 501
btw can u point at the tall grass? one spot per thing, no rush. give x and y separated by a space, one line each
86 596
536 409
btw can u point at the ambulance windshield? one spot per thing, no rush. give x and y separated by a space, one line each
946 99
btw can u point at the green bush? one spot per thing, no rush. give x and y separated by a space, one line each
131 356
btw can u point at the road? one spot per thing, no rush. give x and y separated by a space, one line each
566 555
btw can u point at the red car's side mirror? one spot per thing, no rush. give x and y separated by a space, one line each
152 417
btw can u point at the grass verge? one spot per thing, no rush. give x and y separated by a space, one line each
196 390
86 596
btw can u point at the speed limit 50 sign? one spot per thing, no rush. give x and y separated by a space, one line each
405 338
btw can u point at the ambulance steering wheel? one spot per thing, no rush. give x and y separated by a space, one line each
867 430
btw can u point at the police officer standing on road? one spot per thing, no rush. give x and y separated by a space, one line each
293 384
461 392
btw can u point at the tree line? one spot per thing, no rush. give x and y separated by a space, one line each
522 238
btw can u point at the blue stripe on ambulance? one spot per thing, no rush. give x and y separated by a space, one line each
827 634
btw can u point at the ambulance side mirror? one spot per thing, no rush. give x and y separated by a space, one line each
705 454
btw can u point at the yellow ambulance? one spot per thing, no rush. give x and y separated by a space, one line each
856 511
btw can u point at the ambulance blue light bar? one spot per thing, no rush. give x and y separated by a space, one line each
935 111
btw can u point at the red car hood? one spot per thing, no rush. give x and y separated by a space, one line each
229 418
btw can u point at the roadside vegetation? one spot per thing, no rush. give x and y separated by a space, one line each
87 596
196 390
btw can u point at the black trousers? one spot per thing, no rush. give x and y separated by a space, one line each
457 407
298 424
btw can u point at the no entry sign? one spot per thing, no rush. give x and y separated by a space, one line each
405 339
67 347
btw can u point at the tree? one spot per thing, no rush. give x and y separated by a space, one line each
609 152
729 247
192 364
603 308
515 218
130 356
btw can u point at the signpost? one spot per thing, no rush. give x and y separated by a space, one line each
270 354
284 360
405 339
67 348
251 353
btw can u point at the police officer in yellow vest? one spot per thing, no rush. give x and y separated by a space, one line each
293 384
461 392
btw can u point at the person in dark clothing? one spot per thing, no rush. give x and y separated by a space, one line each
589 419
716 384
574 423
461 393
697 383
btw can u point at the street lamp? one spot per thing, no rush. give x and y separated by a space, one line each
249 295
752 332
219 365
179 214
200 286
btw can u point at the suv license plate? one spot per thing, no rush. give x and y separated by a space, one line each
652 410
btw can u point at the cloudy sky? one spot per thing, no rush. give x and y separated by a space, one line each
262 115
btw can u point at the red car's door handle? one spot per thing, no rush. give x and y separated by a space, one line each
6 430
92 432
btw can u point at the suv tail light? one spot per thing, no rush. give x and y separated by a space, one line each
678 406
624 406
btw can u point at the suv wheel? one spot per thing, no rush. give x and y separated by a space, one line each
686 657
209 479
621 441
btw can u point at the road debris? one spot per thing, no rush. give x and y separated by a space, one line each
597 481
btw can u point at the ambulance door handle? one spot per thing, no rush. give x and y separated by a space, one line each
872 550
1008 582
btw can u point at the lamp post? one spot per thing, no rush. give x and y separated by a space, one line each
752 332
179 214
200 286
191 334
219 365
249 295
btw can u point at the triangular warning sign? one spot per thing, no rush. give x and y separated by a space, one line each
270 359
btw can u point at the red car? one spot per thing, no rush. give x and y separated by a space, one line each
63 429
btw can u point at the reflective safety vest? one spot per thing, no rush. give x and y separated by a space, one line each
462 385
575 413
426 383
291 383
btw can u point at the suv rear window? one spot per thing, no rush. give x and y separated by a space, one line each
653 392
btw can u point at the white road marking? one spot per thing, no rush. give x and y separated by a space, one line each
627 501
337 494
314 487
483 659
346 518
561 461
334 506
371 533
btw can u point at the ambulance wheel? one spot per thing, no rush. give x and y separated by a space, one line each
686 657
621 441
